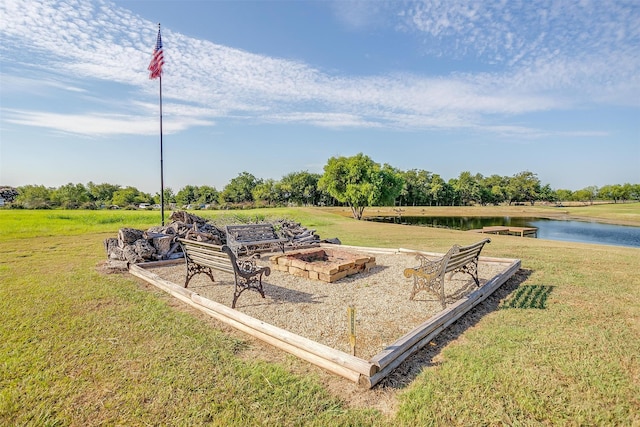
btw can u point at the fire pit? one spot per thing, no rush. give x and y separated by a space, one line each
325 264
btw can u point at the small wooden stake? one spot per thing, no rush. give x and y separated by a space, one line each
351 313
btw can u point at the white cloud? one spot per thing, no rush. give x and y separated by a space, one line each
99 124
23 84
360 14
556 55
330 120
516 32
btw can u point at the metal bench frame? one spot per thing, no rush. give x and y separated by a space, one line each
430 274
204 258
253 236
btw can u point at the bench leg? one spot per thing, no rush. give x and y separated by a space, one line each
194 269
253 283
471 269
433 283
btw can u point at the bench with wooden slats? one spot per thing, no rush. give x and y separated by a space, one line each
246 237
430 274
204 258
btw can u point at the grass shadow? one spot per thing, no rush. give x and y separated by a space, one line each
404 374
529 296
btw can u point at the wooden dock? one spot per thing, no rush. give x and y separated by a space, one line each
511 231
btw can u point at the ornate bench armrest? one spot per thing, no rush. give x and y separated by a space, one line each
427 267
429 275
248 265
427 264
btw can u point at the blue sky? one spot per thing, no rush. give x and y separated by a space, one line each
273 87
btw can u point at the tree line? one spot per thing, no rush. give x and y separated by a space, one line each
355 181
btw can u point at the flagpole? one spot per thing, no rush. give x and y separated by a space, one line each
155 71
161 157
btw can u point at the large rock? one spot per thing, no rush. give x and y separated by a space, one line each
130 255
163 244
144 249
114 251
128 236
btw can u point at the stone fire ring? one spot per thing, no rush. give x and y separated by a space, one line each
324 264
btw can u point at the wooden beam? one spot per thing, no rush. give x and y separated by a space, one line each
283 345
391 357
338 362
162 263
335 356
365 373
179 292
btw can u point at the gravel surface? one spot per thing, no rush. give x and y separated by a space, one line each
318 310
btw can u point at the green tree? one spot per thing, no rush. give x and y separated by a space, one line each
467 188
208 195
34 197
564 195
631 191
453 198
614 192
359 182
523 187
70 196
300 188
416 188
494 189
239 189
547 194
187 195
102 193
169 197
439 190
266 191
129 196
587 194
581 195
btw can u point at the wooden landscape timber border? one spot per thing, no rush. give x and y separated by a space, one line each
366 373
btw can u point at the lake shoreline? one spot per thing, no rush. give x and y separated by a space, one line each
566 213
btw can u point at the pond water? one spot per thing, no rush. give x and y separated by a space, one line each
570 231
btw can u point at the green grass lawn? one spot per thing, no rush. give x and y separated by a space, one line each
78 347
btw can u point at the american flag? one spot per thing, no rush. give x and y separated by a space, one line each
157 59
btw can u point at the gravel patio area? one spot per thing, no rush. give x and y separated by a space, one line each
318 310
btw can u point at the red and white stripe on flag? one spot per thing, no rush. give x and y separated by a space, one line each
157 59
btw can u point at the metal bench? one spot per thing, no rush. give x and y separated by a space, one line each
253 236
429 275
204 258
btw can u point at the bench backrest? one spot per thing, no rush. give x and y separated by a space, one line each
463 255
251 232
207 255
